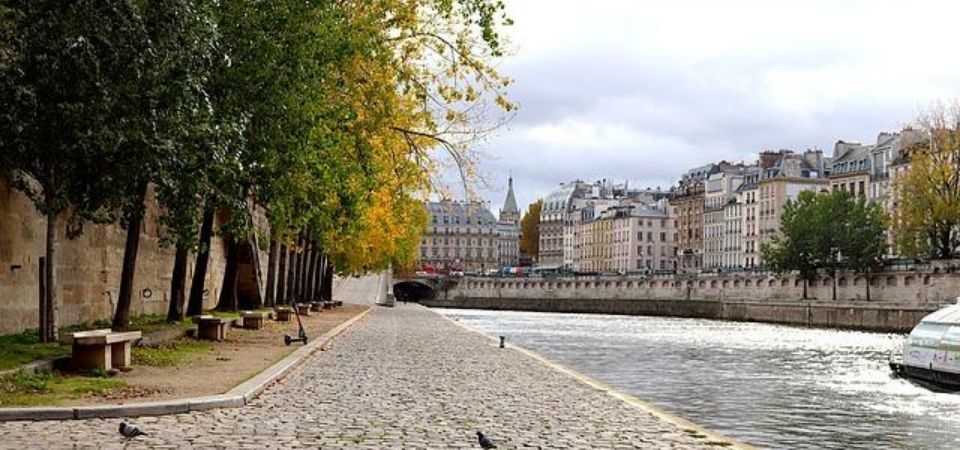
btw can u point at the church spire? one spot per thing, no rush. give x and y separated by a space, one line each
510 212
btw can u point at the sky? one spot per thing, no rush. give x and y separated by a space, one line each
644 90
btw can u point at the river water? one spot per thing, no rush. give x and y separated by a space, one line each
769 385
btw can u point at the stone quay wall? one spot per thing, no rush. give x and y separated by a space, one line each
89 266
898 299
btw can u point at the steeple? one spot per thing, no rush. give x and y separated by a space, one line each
510 212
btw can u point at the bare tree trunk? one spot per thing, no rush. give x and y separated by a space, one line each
228 290
195 305
311 272
318 269
804 288
48 311
271 298
121 318
282 276
328 282
302 266
868 285
178 284
292 274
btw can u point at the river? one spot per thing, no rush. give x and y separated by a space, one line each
768 385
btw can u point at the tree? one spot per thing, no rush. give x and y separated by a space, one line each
61 66
530 230
862 242
167 119
928 195
796 247
830 231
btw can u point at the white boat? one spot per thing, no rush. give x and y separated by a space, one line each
931 354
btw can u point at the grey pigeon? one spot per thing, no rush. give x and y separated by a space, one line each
484 442
130 431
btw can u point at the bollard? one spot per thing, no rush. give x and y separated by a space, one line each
502 338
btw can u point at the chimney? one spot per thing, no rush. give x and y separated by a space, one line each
768 159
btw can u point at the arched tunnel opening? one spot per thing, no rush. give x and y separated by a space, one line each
413 291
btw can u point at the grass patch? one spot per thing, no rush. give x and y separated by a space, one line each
48 388
168 355
20 348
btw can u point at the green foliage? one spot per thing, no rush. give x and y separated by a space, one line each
827 231
327 114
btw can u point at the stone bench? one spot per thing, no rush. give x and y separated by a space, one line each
283 313
303 309
210 328
338 303
315 306
327 305
102 349
252 320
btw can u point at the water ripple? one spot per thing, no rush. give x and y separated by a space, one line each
771 385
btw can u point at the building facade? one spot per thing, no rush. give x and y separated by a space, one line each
465 236
628 238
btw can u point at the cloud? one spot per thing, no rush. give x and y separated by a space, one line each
643 90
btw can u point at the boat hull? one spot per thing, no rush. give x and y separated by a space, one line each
928 378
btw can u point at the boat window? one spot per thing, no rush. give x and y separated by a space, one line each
951 339
928 334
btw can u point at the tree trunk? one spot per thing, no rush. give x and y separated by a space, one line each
195 306
228 290
328 282
868 286
282 276
301 267
804 288
292 274
178 284
48 313
311 273
121 318
270 299
318 275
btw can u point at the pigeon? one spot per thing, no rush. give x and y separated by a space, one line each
484 442
130 431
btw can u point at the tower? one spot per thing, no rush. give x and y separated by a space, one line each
510 213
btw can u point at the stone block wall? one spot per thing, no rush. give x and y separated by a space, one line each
931 284
89 267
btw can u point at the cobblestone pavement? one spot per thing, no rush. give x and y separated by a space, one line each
401 378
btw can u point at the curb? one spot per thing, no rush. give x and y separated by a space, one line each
239 396
599 386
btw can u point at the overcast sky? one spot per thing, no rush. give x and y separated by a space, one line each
643 90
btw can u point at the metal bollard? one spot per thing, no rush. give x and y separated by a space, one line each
502 339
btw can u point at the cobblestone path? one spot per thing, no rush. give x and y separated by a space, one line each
402 378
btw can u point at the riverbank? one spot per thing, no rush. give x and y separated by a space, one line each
404 377
846 315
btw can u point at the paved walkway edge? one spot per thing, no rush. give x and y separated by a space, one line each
239 396
597 385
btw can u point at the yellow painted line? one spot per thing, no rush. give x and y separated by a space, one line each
631 400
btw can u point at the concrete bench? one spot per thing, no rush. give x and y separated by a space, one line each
327 305
210 328
102 349
315 306
338 303
283 313
303 309
252 320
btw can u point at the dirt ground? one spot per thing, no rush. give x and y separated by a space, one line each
242 355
